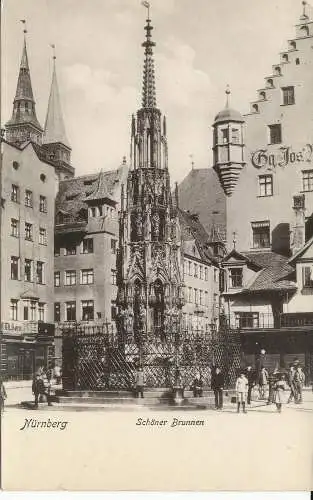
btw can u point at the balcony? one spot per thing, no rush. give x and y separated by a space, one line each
67 224
255 321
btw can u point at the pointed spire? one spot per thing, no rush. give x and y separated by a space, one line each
23 124
304 15
148 88
54 125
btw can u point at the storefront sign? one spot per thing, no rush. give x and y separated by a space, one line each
11 328
282 157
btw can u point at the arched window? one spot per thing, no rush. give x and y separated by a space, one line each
255 108
278 70
293 44
262 94
285 58
270 82
297 61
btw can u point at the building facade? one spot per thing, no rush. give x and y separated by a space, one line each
29 184
86 241
264 163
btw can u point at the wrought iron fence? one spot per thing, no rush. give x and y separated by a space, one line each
98 358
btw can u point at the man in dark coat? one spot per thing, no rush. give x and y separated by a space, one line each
250 375
140 382
217 384
38 388
197 386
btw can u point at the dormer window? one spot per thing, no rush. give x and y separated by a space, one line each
235 277
270 82
255 108
304 30
285 58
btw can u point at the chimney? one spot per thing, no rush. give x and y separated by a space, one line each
297 233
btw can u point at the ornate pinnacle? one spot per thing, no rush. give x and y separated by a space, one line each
148 88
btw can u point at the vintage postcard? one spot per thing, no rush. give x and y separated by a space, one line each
156 245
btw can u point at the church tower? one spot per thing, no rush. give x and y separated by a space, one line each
23 125
150 286
55 142
228 146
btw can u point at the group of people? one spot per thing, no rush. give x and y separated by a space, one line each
42 382
276 385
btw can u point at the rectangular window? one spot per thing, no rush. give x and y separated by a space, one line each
189 294
43 204
201 297
113 276
57 278
307 276
87 310
28 231
40 272
70 278
206 274
288 95
225 135
33 310
57 250
307 180
41 311
86 277
14 268
235 277
25 313
15 193
28 198
189 268
247 320
195 270
87 245
261 234
113 246
42 236
275 136
235 135
28 270
185 267
265 185
201 272
70 249
196 295
206 298
70 311
15 225
57 311
13 310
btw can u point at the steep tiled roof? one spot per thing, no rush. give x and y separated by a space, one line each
275 274
192 228
201 193
101 190
73 193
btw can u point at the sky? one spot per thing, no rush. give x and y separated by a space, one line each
201 46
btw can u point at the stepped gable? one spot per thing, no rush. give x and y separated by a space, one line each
275 274
191 228
201 192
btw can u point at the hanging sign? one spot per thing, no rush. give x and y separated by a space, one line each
282 157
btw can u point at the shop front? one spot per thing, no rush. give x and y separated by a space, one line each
21 354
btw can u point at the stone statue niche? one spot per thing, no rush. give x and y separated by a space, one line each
136 227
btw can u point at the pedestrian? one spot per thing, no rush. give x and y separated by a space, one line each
57 374
299 380
291 383
3 395
38 388
217 384
280 389
197 386
263 382
250 376
241 391
140 382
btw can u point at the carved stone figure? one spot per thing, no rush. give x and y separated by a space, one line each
142 317
128 319
156 224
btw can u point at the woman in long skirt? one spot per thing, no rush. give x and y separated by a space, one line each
280 392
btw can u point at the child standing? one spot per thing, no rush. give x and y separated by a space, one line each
241 392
